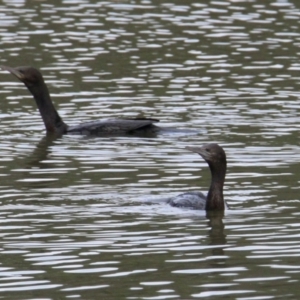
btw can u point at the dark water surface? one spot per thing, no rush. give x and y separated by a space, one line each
75 222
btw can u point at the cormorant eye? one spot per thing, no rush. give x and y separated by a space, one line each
207 149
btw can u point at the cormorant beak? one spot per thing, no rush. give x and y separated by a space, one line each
199 150
14 71
193 149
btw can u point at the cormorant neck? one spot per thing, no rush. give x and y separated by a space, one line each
51 118
215 199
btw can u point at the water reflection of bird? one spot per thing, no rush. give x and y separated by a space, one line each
217 235
41 153
215 156
34 81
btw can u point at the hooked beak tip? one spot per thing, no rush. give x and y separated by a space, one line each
13 71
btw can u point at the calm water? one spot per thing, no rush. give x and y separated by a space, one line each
75 217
